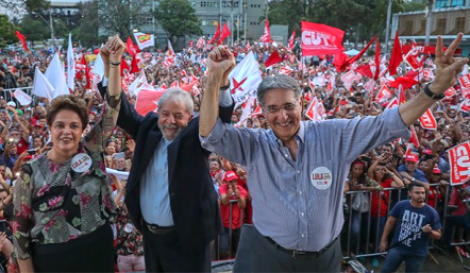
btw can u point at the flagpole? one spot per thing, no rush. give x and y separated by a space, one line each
387 28
244 31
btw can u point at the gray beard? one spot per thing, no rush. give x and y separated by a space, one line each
177 133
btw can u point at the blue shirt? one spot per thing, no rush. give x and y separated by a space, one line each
154 197
410 220
299 203
418 174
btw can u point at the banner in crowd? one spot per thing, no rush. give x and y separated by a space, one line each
144 40
320 39
464 81
459 157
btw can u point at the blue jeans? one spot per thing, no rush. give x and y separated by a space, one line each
377 229
395 258
359 225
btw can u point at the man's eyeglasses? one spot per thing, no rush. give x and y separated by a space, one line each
288 107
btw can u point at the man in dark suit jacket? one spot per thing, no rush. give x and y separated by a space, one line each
194 211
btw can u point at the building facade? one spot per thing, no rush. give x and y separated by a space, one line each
243 14
449 17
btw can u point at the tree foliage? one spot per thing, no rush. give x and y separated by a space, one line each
177 18
120 16
18 7
87 32
7 30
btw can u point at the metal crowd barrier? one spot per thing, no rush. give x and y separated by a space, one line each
358 228
8 93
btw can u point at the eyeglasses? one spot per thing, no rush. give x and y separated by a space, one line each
288 107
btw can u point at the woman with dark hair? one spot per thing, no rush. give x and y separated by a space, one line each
63 203
359 182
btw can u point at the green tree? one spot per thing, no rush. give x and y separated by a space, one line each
18 7
87 31
34 28
414 5
7 29
121 16
177 18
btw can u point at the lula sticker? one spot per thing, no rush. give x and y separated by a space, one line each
81 163
321 178
128 228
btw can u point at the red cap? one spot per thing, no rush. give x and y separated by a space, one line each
229 176
412 158
27 158
436 170
427 152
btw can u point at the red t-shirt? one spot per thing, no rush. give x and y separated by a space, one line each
22 146
433 191
225 209
377 199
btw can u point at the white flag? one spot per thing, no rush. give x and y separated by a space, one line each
41 86
22 97
245 77
144 40
56 76
70 65
98 67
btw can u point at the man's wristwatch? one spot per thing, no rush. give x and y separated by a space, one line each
432 95
413 179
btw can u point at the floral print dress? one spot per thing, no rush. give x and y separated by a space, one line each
55 203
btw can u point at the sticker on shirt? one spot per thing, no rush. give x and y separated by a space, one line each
128 228
321 178
81 163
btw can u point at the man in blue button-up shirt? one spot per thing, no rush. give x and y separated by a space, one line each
296 170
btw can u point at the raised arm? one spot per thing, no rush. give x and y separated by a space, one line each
219 64
447 71
95 140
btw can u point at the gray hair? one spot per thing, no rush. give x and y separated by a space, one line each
277 82
178 94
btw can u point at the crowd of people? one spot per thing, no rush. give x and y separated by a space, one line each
53 203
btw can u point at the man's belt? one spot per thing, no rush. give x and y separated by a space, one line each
302 254
156 229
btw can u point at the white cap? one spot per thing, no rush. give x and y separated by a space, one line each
12 104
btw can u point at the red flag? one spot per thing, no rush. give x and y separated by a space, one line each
392 103
312 110
412 58
308 97
191 43
405 82
163 86
22 40
464 80
273 59
292 40
377 59
396 58
364 70
266 37
321 39
131 48
340 60
384 94
174 84
124 66
414 137
348 62
225 33
134 65
258 111
458 157
188 87
147 100
87 72
216 34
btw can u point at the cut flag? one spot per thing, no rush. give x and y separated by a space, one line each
292 40
131 48
320 39
147 100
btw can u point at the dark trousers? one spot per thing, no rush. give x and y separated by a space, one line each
270 258
88 253
165 253
226 242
